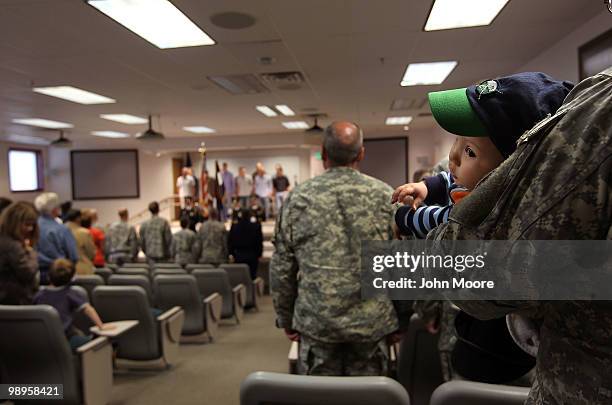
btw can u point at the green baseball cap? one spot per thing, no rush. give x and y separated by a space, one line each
453 111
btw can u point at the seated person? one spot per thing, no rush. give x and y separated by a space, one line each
66 301
488 120
185 244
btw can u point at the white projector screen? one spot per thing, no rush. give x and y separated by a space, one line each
104 174
386 159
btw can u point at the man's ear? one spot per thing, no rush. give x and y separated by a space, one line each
361 155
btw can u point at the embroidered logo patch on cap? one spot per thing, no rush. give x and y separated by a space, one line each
486 87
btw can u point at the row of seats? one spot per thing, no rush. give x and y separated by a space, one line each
272 388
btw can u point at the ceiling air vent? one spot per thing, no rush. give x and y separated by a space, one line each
240 84
401 104
284 80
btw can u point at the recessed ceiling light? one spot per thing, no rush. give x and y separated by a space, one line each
418 74
199 130
398 120
43 123
295 125
448 14
74 94
157 21
124 118
285 110
110 134
267 111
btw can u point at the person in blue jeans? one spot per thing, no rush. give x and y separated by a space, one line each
67 302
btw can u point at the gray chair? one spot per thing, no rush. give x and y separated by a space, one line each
239 274
154 342
34 350
112 266
167 266
167 271
418 366
217 281
133 279
273 388
202 313
137 265
103 272
134 271
473 393
195 266
88 282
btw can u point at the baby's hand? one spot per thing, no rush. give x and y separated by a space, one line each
410 194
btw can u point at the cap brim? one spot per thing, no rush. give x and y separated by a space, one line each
452 110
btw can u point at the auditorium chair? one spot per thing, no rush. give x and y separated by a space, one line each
202 313
473 393
103 272
194 266
418 367
168 271
138 265
154 342
36 351
88 282
217 281
134 271
167 266
133 279
112 266
261 388
239 274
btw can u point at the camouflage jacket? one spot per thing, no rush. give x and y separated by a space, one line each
121 238
316 267
213 242
156 238
185 246
557 185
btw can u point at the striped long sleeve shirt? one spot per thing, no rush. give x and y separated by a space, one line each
436 210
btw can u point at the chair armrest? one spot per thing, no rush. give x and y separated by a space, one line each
96 359
240 293
258 284
169 313
215 302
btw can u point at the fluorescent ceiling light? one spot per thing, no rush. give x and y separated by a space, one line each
398 120
267 111
110 134
43 123
199 130
418 74
285 110
74 94
124 118
448 14
295 125
157 21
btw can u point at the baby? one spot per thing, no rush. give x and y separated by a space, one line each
488 120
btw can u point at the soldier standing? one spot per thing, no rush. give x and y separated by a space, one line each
185 244
213 240
121 243
156 236
315 269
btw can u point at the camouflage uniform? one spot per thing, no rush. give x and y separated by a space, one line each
213 242
156 239
316 274
557 185
121 243
185 246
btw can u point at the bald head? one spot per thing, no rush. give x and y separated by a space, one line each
343 144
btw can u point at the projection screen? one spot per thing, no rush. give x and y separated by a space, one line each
104 174
386 159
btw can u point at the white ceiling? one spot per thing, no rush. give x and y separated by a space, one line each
352 52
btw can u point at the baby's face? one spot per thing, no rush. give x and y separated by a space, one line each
471 158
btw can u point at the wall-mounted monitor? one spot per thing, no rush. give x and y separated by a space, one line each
386 159
104 174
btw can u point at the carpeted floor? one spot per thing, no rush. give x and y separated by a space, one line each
211 373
